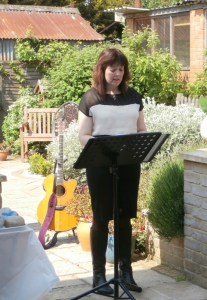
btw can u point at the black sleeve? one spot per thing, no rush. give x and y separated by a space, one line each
141 103
88 99
137 98
83 106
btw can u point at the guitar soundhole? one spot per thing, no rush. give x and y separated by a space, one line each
59 190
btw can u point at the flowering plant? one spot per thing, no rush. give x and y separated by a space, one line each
80 206
138 225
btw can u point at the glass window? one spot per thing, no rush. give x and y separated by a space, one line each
181 40
174 35
140 24
162 26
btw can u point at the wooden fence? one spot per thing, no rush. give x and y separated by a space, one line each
180 99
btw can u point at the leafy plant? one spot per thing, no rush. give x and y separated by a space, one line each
18 72
68 69
6 146
15 116
80 205
199 86
203 103
138 230
165 200
153 75
71 76
39 165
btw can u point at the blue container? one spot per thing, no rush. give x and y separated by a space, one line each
110 248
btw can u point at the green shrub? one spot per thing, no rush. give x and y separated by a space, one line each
68 69
15 116
199 86
39 165
165 200
203 103
154 74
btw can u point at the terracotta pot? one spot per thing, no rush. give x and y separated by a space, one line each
83 233
3 155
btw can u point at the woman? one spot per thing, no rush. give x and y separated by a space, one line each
111 107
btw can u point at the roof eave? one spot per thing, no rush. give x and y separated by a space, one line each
126 10
54 9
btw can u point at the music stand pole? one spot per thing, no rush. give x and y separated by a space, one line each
112 151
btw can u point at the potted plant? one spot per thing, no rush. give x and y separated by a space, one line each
80 207
5 147
138 237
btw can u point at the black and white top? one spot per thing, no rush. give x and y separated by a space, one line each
113 115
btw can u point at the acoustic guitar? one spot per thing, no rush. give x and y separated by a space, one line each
64 194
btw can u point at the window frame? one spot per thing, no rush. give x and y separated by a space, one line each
171 17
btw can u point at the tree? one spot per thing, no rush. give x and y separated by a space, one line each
93 12
37 2
157 3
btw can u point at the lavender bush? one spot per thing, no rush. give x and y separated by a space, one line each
182 122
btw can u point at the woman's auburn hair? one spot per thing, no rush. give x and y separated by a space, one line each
110 57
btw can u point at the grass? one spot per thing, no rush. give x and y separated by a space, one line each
180 278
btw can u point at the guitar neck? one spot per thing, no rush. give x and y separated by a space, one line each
59 178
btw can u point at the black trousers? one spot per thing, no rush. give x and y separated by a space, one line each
100 183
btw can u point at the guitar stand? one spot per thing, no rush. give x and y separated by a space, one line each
112 151
53 241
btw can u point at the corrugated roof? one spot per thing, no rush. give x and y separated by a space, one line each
49 23
183 3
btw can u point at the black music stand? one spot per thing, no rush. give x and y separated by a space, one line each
113 151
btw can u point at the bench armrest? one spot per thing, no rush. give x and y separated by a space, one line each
26 124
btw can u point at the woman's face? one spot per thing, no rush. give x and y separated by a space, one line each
114 75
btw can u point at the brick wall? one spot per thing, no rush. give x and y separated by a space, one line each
195 220
197 42
188 253
163 252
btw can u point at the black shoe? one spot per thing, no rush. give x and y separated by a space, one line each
132 287
105 290
126 274
128 280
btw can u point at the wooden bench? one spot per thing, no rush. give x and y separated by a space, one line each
37 127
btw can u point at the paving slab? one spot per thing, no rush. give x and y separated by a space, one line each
23 191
